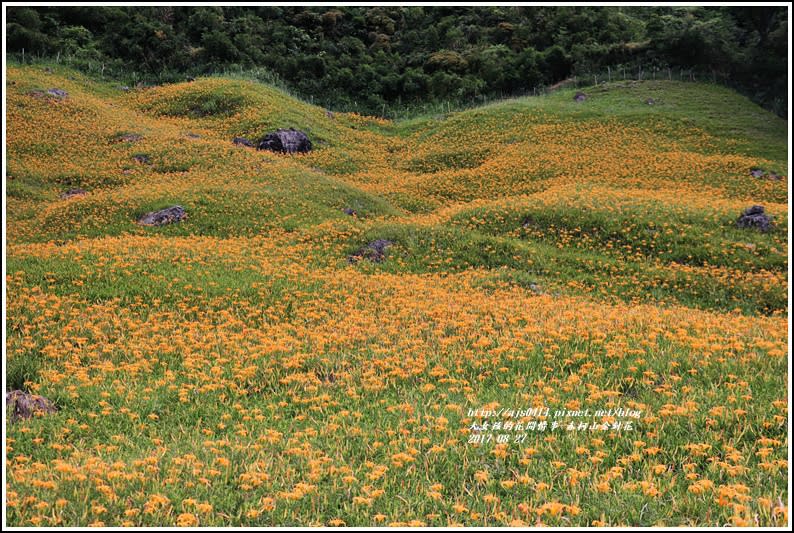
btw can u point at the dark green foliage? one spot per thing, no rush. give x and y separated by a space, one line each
369 58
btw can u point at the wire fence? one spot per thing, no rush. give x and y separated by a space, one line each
638 71
610 74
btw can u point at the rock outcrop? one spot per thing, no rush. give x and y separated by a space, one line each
57 93
374 251
761 173
162 217
73 193
242 141
755 217
127 138
21 405
286 141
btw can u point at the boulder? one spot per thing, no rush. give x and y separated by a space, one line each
162 217
57 93
242 141
761 173
286 141
374 251
348 211
579 97
757 172
72 193
755 217
143 159
22 405
127 138
650 101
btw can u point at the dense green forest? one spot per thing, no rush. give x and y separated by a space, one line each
371 59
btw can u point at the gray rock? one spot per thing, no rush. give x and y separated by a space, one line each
142 159
580 97
128 138
374 251
22 405
348 211
286 141
57 93
650 101
242 141
755 217
72 193
760 173
162 217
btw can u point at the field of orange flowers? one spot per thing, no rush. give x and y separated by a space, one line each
568 328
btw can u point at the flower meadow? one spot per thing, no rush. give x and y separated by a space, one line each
239 369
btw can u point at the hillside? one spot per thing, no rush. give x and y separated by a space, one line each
240 367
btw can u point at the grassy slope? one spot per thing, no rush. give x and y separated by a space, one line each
548 252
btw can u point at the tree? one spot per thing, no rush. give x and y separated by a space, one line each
372 55
24 32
